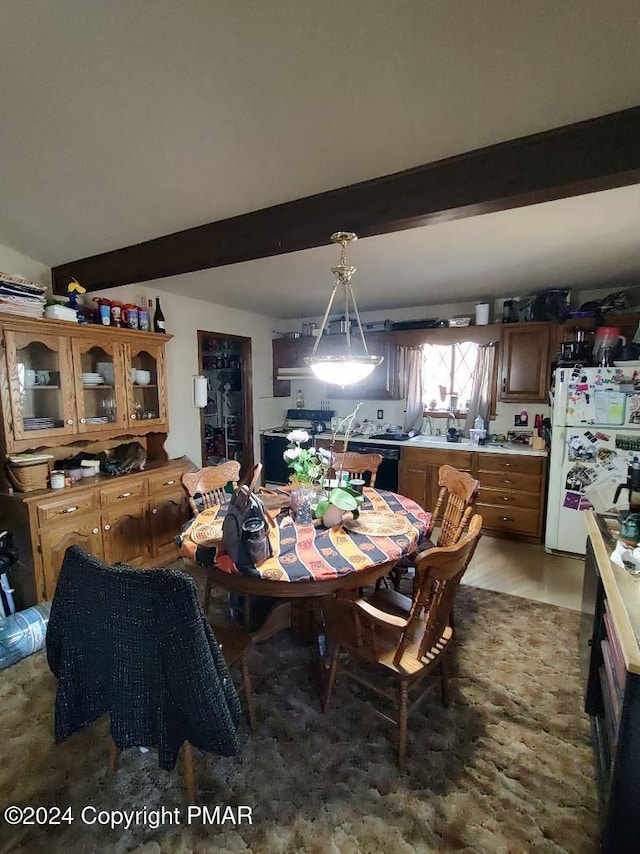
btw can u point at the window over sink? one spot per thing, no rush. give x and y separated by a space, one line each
448 371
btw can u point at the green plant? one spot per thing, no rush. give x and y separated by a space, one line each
309 465
342 497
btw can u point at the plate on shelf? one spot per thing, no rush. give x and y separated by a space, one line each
631 364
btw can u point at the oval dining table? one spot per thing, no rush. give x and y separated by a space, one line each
309 560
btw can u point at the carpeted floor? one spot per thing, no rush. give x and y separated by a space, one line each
506 768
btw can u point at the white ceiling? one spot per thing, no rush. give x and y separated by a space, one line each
124 121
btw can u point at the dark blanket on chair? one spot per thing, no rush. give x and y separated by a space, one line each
136 644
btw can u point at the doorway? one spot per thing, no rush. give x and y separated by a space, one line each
226 422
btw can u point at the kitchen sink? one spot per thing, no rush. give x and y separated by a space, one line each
437 440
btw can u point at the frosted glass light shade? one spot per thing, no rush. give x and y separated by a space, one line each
200 391
343 370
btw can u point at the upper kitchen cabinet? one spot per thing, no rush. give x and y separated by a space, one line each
524 362
61 382
382 384
289 353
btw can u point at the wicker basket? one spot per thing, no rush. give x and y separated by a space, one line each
29 478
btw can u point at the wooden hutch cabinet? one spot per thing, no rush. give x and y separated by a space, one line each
68 388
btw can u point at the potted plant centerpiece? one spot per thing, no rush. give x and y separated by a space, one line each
341 500
309 467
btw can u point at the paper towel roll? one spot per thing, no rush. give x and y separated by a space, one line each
200 391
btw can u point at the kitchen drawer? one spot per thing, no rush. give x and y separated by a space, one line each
67 507
165 481
511 480
435 457
505 498
126 491
510 462
505 519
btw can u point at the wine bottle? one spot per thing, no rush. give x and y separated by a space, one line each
158 318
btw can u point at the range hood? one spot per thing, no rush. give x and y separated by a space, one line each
301 373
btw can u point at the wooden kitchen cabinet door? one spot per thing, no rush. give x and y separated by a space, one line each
168 513
84 532
125 534
415 481
147 404
524 362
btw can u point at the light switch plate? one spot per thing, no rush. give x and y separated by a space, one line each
380 414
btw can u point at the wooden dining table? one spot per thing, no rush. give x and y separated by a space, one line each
310 560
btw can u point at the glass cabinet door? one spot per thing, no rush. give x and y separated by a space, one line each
99 378
146 385
41 383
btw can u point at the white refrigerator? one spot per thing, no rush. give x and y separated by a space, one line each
595 420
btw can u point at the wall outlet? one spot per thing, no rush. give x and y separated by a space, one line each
380 414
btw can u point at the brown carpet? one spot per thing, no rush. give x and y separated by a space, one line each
507 768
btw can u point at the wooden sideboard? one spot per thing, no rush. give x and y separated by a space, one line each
131 519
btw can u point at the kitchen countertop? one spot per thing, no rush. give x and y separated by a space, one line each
434 442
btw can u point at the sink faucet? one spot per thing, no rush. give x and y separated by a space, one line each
428 420
451 416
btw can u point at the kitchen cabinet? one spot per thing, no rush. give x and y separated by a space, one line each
289 353
525 354
511 492
383 383
49 397
418 476
132 519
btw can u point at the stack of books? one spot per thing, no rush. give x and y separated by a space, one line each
20 296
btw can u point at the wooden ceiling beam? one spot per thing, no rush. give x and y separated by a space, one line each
585 157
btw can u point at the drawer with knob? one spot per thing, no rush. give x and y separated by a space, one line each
522 464
127 490
509 519
509 481
67 507
166 481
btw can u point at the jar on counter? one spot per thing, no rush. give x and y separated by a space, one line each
57 479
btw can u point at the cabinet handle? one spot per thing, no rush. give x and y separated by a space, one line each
69 510
107 527
505 480
504 384
507 498
133 416
83 420
506 519
508 465
96 530
154 511
69 420
168 482
125 495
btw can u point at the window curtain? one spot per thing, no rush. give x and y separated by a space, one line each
480 403
411 370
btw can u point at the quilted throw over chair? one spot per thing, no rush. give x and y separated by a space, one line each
136 644
403 639
206 487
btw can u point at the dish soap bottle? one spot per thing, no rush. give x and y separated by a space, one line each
478 424
299 399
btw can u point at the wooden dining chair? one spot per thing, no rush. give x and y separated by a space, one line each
407 647
206 487
356 465
451 514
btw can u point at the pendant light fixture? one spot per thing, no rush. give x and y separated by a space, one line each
343 367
